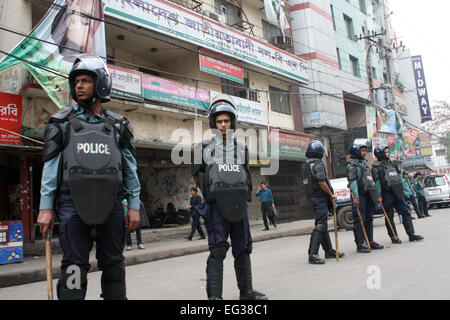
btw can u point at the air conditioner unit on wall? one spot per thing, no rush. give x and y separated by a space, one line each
217 16
283 42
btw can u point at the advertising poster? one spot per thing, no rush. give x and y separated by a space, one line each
425 144
411 142
67 33
387 121
371 118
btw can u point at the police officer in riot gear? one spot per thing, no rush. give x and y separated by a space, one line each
89 168
410 194
391 194
224 178
364 195
418 188
321 195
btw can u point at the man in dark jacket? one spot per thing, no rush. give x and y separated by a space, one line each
195 201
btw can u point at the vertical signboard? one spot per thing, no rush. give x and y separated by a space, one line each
421 85
10 118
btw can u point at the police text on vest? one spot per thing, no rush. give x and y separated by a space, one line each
229 168
93 148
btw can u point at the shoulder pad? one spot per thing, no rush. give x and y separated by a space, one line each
114 116
377 164
62 114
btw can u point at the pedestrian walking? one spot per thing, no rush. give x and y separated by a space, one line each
267 204
196 226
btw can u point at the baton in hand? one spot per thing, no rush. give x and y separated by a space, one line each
362 223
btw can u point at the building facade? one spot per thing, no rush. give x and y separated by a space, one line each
168 59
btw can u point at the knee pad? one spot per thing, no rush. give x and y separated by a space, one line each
113 282
219 251
322 227
73 283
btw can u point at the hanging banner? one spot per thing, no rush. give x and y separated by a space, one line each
387 120
10 118
126 83
163 90
220 68
63 25
421 85
411 144
371 119
425 144
175 21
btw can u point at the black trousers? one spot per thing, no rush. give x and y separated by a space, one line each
266 207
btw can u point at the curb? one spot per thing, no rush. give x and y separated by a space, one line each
38 273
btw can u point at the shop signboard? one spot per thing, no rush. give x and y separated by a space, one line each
290 145
175 21
126 83
164 90
220 67
10 118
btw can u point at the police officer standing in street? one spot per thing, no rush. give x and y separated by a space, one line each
321 197
364 195
391 194
224 178
410 194
418 188
90 166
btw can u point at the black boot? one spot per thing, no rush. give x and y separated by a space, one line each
388 227
214 272
314 244
369 231
396 240
243 270
361 247
409 228
113 282
328 247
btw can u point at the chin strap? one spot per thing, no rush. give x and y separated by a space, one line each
87 104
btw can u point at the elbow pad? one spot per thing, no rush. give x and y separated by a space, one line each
53 141
127 137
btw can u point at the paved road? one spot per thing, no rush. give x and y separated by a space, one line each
418 270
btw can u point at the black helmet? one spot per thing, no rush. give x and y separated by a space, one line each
355 148
418 173
95 66
405 173
222 104
379 152
315 149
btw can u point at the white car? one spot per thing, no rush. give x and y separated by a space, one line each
437 190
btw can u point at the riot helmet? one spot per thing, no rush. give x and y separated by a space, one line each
222 104
418 173
96 67
405 173
379 152
356 146
315 149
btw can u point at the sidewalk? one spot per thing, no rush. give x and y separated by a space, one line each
160 244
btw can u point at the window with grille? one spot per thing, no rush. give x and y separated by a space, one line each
270 31
279 100
239 90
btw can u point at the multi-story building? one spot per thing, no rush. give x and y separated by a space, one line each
337 38
439 126
168 59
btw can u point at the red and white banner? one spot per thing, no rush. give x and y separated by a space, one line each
10 118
